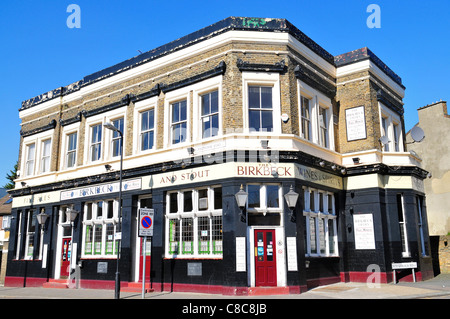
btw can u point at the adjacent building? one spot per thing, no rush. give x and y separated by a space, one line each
247 106
434 151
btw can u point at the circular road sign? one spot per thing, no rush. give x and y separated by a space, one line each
146 222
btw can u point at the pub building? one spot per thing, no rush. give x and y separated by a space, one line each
270 166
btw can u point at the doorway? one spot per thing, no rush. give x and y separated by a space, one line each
65 257
141 252
265 258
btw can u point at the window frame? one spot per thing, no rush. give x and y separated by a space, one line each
262 79
37 140
315 216
45 157
177 230
106 135
177 126
402 222
304 119
92 143
30 233
96 222
115 136
139 108
317 101
198 90
30 164
71 152
391 124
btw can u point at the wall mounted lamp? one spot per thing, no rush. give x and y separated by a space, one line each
241 200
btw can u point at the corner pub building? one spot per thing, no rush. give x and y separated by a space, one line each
244 106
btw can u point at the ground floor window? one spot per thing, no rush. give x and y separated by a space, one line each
100 225
194 223
320 223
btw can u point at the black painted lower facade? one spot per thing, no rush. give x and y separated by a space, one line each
203 242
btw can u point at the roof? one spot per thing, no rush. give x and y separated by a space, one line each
5 204
228 24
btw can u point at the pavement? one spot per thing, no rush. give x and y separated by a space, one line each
436 288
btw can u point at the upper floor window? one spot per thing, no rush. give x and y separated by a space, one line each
116 140
71 155
30 156
179 121
96 142
210 114
147 134
315 116
45 156
306 118
323 127
391 128
260 108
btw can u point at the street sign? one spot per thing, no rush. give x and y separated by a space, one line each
408 265
146 222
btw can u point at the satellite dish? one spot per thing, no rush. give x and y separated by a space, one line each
417 134
384 140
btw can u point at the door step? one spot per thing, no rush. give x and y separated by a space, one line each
135 287
56 283
267 291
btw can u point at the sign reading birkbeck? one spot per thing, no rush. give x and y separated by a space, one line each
101 189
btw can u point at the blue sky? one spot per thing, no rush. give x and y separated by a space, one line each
40 53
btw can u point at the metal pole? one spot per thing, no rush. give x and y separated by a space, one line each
144 256
117 286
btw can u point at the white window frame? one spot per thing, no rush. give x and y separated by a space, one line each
30 163
392 120
316 217
37 140
171 98
403 228
45 159
324 138
263 207
139 108
41 238
419 202
262 79
66 132
198 90
71 152
19 233
116 139
29 244
317 100
102 221
195 215
92 144
106 139
304 119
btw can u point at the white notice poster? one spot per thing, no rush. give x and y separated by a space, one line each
240 254
292 253
355 121
364 234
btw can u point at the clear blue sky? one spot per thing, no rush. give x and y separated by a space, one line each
40 53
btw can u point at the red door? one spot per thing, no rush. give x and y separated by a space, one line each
265 260
147 253
65 257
